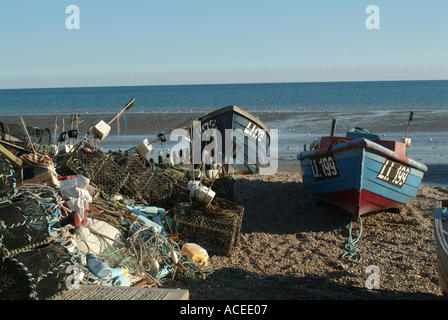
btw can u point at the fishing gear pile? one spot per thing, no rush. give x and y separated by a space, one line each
40 138
85 217
141 225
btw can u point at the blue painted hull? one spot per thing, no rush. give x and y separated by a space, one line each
441 240
361 176
249 131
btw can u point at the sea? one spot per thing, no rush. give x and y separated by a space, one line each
300 112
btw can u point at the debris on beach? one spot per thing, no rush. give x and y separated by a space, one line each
115 219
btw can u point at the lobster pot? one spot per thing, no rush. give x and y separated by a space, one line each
84 160
24 224
37 274
93 164
139 176
217 235
110 177
165 188
7 180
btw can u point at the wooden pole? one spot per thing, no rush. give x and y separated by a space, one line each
411 115
333 127
71 128
26 131
77 126
125 108
55 126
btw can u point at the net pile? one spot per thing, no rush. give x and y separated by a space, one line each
125 173
33 246
15 134
93 164
140 174
36 274
24 224
7 180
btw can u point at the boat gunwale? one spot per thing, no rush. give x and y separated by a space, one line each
365 144
240 111
438 224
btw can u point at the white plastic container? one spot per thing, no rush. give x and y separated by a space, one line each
202 195
212 173
151 224
143 148
69 187
101 130
64 149
192 184
53 149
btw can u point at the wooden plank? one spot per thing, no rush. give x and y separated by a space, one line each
39 176
15 161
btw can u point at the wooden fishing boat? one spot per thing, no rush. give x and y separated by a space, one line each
361 175
249 133
441 237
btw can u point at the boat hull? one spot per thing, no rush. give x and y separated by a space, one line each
441 225
360 176
248 135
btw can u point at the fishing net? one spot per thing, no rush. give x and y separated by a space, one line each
35 274
166 188
13 133
93 164
84 160
16 134
217 229
7 180
141 172
110 177
25 224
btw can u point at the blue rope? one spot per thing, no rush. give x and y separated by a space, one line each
352 253
125 124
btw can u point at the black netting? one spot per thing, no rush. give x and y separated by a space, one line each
24 224
35 274
7 180
215 234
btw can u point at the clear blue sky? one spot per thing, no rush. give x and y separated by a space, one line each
158 42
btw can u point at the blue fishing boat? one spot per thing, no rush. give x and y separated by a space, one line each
250 138
441 237
360 175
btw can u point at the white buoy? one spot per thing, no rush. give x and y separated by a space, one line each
143 148
202 195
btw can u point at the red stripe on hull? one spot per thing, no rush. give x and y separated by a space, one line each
358 203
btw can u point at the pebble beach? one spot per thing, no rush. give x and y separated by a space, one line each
292 247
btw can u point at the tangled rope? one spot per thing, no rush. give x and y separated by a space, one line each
352 253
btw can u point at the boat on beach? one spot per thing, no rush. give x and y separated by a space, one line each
441 237
251 138
361 175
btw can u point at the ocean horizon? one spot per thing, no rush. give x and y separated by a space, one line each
300 111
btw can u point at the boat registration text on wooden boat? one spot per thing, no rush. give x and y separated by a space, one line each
324 167
394 173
